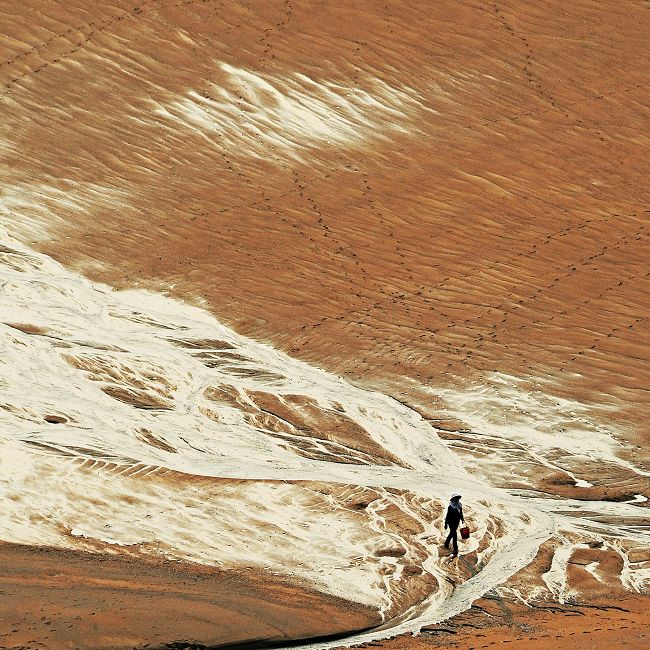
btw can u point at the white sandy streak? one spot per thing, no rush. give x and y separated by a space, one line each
520 411
278 117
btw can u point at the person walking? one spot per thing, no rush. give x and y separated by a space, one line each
452 520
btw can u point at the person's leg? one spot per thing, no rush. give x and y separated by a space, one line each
455 540
451 532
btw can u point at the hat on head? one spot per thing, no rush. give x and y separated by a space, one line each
455 495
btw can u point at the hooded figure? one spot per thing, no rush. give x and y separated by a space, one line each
452 520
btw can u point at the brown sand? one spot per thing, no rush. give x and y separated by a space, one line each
66 599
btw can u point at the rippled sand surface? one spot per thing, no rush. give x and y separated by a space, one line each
368 253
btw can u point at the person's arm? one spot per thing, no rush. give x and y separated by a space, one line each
461 515
447 519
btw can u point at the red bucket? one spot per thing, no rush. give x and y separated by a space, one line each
464 532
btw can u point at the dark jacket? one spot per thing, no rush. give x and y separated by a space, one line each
454 517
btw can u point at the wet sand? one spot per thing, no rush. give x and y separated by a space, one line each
65 599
